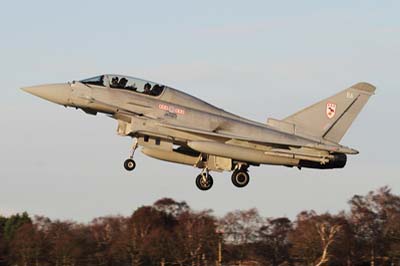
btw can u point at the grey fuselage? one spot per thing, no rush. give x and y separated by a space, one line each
178 127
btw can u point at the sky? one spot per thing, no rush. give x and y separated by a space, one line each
258 59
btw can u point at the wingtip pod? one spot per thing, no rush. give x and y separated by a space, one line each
365 87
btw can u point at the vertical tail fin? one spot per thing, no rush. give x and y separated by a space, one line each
332 117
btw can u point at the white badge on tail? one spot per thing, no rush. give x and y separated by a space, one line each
330 110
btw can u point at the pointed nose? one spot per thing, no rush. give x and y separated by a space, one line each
56 93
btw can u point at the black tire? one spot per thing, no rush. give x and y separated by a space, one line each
240 178
129 165
204 186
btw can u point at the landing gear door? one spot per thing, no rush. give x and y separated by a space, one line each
219 164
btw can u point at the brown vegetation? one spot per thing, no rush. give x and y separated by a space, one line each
170 233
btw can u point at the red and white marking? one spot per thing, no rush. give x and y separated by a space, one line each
171 109
330 110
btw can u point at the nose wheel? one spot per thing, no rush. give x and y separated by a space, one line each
130 164
204 181
240 178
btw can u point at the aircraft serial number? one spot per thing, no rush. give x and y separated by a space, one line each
171 109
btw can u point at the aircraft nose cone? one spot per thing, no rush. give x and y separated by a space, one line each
57 93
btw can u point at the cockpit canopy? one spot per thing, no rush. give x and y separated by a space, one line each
126 83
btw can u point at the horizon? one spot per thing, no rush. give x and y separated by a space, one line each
209 211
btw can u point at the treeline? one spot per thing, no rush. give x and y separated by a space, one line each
171 233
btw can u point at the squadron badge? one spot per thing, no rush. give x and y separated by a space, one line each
330 110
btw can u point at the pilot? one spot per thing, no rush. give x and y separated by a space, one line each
147 88
114 82
156 90
122 83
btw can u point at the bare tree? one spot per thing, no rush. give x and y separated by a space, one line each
172 207
327 232
314 237
196 237
241 227
62 237
26 246
273 245
241 230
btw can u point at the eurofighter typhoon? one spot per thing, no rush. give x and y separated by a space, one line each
173 126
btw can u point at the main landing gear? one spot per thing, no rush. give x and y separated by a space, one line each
240 178
204 181
130 164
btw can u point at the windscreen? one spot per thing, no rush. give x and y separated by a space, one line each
98 81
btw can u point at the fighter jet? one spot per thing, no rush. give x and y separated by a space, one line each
174 126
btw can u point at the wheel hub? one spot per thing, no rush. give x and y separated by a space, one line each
241 179
204 181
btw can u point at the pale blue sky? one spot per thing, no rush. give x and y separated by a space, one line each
256 58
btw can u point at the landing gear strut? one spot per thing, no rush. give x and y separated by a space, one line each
130 164
240 178
204 181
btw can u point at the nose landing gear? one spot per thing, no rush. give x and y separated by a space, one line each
130 164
